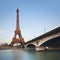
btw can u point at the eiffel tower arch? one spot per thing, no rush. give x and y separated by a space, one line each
20 39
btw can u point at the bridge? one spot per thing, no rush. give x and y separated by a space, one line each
49 39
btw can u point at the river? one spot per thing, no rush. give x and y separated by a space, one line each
29 55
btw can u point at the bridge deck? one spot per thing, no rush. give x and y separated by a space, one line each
54 31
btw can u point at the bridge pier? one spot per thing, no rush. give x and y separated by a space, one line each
39 48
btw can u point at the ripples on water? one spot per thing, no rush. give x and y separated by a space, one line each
29 55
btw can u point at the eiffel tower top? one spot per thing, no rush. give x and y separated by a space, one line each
17 10
17 20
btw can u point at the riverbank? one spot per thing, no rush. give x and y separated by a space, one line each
29 49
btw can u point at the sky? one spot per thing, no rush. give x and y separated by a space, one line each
36 18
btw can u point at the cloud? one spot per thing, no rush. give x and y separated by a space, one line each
2 31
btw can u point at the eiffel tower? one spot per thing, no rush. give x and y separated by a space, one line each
20 39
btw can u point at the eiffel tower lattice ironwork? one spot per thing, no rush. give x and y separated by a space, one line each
20 39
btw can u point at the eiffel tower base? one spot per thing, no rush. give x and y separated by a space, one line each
17 40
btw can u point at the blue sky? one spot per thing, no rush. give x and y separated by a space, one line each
36 18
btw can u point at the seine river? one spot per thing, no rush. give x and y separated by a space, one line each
29 55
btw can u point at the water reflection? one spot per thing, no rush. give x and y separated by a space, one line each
16 55
28 55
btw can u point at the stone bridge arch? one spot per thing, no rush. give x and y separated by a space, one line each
32 44
48 38
55 42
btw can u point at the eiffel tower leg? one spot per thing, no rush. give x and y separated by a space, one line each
15 35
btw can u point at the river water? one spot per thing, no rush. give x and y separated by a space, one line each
29 55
